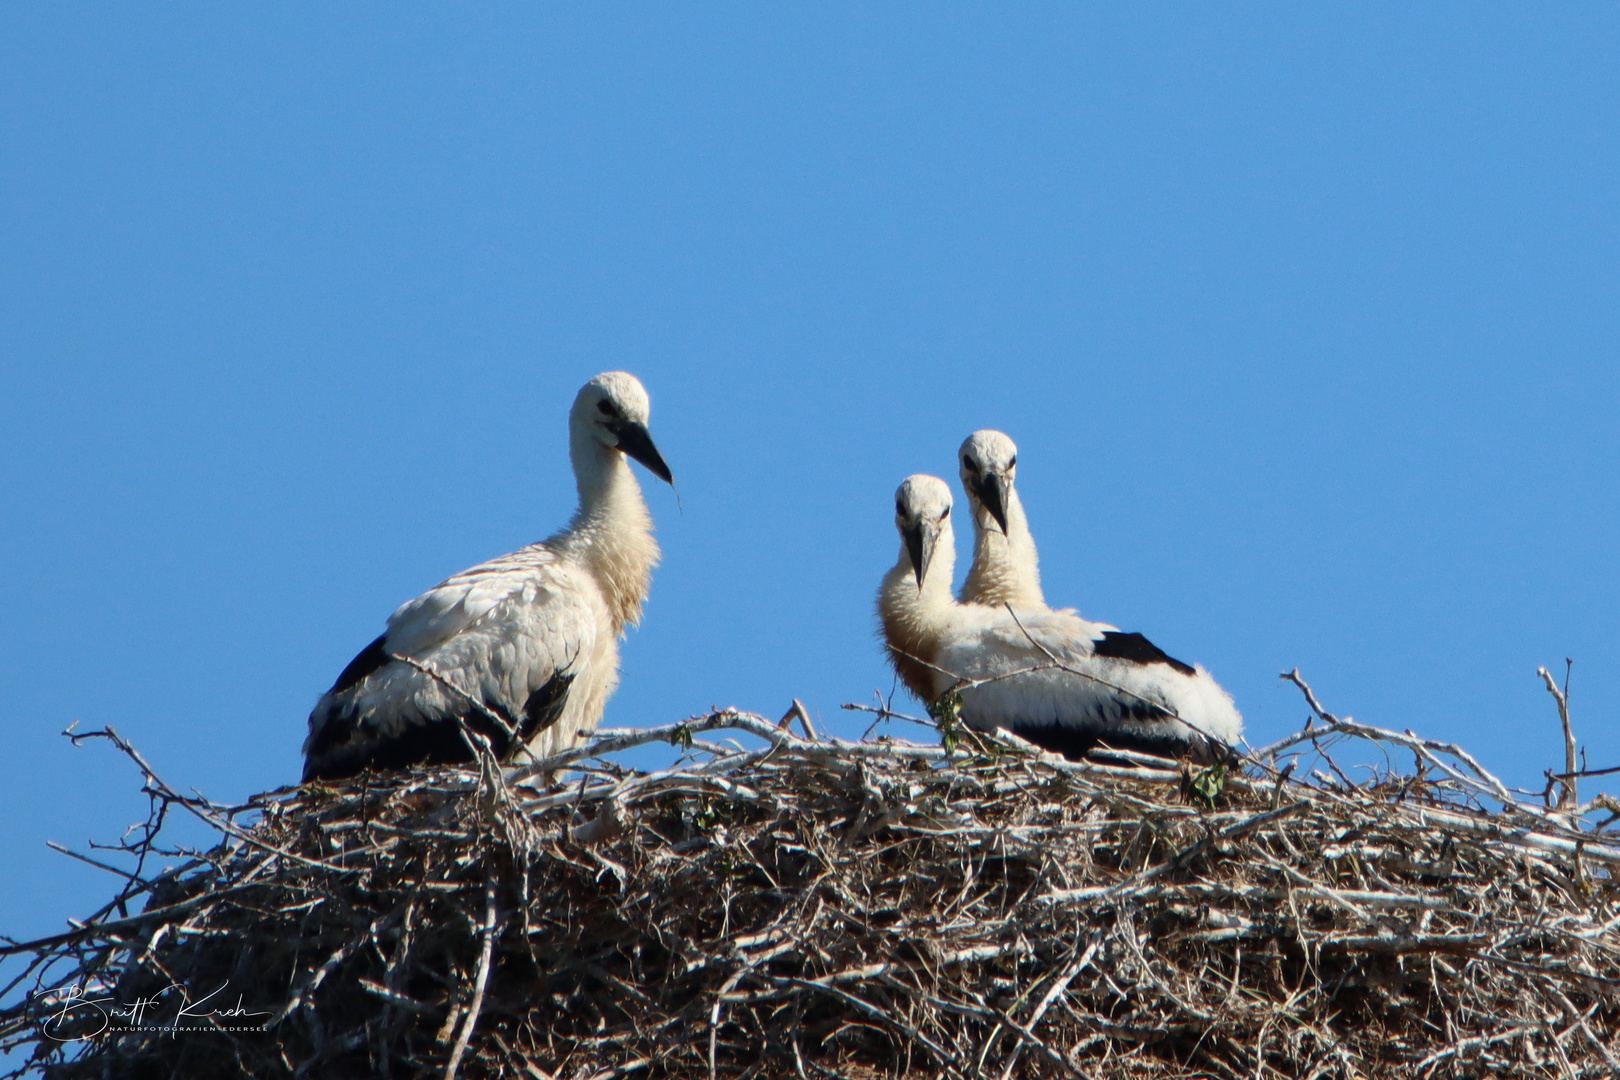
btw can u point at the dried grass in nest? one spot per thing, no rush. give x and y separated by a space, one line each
815 908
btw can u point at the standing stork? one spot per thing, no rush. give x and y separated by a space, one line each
1059 681
1005 568
521 650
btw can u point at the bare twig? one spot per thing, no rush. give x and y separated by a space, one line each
1568 798
480 982
803 714
1310 697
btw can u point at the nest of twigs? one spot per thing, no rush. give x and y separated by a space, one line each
809 907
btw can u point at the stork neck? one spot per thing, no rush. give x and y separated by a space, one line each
611 533
914 620
1006 568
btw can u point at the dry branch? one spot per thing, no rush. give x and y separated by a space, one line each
1567 797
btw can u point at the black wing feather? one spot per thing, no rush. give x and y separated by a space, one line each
545 705
345 747
1138 650
1076 743
371 658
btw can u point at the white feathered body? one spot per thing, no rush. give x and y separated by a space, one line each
527 643
1098 696
494 634
1057 679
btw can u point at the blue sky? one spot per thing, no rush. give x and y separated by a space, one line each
1303 318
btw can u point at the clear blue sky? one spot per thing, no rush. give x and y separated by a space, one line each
1304 318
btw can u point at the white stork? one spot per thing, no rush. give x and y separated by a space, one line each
1062 682
522 650
1005 569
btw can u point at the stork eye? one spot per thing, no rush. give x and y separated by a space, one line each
946 514
967 463
606 408
899 509
1012 461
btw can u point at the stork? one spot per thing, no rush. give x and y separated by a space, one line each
1060 681
1006 569
521 650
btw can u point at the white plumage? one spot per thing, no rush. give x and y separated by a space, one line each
1119 689
523 649
1005 567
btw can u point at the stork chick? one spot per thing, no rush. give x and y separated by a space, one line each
1061 682
1006 569
521 650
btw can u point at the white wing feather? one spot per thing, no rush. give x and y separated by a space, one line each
494 633
991 644
454 604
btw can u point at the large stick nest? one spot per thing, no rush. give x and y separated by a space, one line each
811 907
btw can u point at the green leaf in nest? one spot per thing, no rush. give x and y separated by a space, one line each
711 814
682 737
1209 783
947 713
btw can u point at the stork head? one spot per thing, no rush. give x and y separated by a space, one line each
922 511
613 409
989 463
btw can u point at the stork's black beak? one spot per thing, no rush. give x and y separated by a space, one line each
920 546
992 492
637 443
